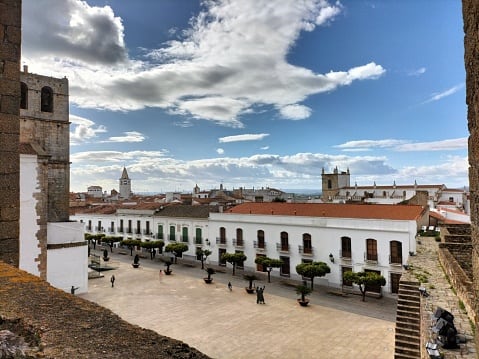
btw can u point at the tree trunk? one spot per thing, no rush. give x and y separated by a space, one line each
312 282
269 276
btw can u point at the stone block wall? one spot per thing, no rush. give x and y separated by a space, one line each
10 47
470 13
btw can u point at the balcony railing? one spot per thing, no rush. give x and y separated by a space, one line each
371 257
111 230
305 251
259 246
345 255
129 231
120 230
160 236
172 238
198 240
184 239
138 231
238 243
395 260
221 241
282 247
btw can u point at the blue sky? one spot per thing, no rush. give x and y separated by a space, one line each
256 93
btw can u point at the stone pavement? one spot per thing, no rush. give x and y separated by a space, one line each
426 265
224 324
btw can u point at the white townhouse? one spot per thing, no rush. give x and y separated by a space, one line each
346 236
150 221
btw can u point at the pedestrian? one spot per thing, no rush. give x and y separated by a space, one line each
112 280
230 287
258 295
161 274
73 289
262 295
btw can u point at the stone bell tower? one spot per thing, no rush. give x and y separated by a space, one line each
10 47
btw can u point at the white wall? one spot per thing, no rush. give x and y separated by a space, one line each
67 266
29 249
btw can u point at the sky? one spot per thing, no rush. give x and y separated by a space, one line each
256 93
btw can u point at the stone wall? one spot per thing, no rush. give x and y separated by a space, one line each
470 13
10 46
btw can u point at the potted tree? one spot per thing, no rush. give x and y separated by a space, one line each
210 271
105 255
365 279
202 254
136 261
313 269
250 278
303 290
168 263
234 259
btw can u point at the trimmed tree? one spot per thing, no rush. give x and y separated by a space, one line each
269 264
234 259
250 278
131 243
364 279
203 254
209 271
303 291
151 245
177 249
311 270
111 240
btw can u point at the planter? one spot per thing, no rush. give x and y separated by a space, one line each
208 280
303 303
249 290
135 265
106 259
168 272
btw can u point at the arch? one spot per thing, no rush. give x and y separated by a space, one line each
47 99
23 96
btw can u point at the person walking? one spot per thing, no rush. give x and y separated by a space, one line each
112 280
161 274
230 287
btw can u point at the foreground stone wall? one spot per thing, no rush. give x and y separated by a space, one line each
10 40
470 13
56 324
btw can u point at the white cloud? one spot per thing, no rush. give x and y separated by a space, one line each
232 58
295 112
417 72
220 151
405 146
83 130
244 137
130 136
440 95
264 148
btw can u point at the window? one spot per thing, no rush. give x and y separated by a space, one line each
47 99
372 250
307 246
345 247
24 96
184 234
198 238
284 241
223 235
121 226
172 233
138 227
451 199
112 227
239 237
99 226
395 248
394 280
89 225
148 227
260 237
129 227
160 231
330 184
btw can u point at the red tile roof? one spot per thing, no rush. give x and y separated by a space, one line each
332 210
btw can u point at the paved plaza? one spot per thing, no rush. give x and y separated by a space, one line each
224 324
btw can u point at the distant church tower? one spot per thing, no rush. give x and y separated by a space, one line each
125 185
332 182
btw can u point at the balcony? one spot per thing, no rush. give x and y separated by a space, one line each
282 247
184 239
221 241
172 238
260 247
305 251
395 260
198 240
371 258
129 231
345 255
121 230
238 243
138 231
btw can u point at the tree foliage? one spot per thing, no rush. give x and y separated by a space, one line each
250 278
303 290
269 263
234 259
110 240
364 279
176 248
151 245
203 254
313 269
131 243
